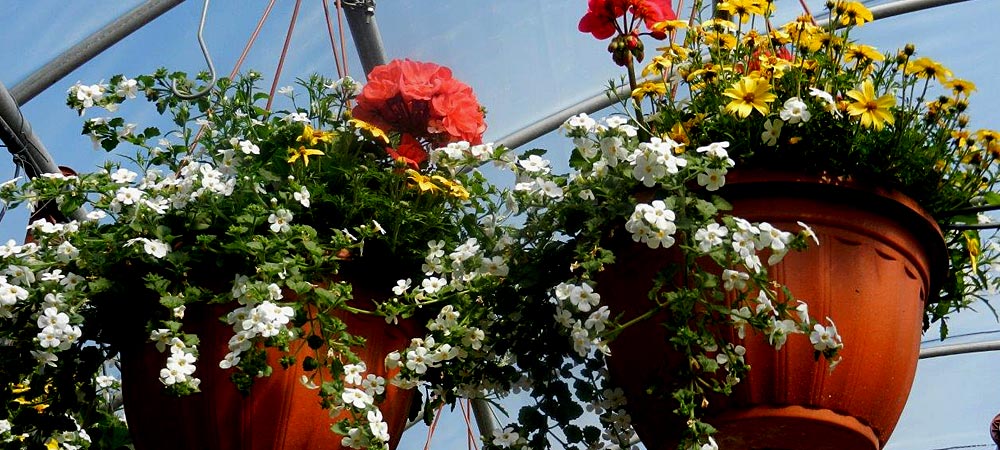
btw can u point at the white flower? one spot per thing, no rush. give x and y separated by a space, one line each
581 122
534 163
123 176
550 188
378 227
583 297
96 215
128 195
416 359
825 338
712 179
433 284
249 148
732 279
710 236
127 88
297 117
772 131
286 90
711 445
506 438
302 196
794 111
353 373
154 247
828 103
279 220
401 286
808 231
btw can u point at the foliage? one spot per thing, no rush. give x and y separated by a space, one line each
281 219
728 89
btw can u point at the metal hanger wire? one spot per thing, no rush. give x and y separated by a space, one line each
208 60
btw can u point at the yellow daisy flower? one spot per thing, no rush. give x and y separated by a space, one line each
928 68
312 136
960 86
649 89
423 182
303 152
376 132
852 13
749 94
863 54
874 111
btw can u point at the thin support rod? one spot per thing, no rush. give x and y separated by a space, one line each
600 101
958 349
21 141
553 121
364 29
87 49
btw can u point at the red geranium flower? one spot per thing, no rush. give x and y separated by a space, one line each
409 151
601 17
421 100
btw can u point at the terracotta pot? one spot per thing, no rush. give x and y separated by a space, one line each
880 256
278 414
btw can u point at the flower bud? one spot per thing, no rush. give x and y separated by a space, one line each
909 49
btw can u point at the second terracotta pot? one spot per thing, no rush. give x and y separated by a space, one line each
879 257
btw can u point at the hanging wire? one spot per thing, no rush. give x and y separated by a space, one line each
252 40
284 53
208 60
333 44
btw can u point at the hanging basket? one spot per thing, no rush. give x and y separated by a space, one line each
280 413
879 257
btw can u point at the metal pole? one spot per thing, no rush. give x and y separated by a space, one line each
484 418
367 39
16 134
88 48
958 349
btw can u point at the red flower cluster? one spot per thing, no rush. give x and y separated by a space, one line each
602 15
422 102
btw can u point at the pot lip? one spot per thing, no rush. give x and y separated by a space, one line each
801 184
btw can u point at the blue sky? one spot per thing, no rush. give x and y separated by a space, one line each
526 60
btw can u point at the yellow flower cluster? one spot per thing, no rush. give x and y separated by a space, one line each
437 183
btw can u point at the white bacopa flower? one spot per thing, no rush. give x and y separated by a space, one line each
123 176
431 285
808 231
286 90
825 338
299 117
583 297
732 279
302 196
710 236
794 111
417 359
506 438
827 99
581 122
402 286
354 373
127 88
280 220
378 227
248 148
772 131
534 164
712 179
128 195
550 188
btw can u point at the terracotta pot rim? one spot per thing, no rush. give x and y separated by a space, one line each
741 183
